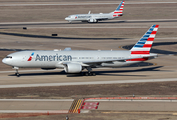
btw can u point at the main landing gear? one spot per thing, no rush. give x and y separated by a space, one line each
17 73
89 73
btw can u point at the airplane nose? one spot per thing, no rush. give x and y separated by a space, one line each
66 18
4 61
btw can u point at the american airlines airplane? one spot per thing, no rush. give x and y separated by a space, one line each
94 18
75 61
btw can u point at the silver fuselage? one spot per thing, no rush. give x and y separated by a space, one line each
87 17
54 59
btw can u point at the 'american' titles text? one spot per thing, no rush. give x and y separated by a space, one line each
53 57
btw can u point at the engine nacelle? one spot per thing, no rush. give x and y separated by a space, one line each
73 68
92 20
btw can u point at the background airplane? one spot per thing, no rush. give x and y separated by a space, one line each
94 18
74 61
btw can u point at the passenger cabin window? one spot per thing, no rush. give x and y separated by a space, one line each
75 58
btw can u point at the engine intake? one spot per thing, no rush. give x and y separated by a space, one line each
93 20
73 68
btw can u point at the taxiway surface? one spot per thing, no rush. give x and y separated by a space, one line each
82 36
63 105
40 21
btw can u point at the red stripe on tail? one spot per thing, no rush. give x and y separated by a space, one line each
117 12
150 39
154 32
147 45
156 26
139 52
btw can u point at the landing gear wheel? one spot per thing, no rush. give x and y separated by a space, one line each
86 74
89 74
17 74
93 74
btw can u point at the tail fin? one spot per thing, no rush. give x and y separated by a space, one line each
119 11
143 46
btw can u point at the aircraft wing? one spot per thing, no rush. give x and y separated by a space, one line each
113 60
99 19
93 19
88 63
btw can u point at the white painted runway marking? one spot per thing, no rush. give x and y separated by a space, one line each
34 100
34 111
88 83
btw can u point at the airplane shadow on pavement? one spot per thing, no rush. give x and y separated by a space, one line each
106 72
58 38
128 71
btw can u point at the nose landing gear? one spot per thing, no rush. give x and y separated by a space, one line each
17 73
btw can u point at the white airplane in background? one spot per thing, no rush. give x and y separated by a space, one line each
74 61
97 17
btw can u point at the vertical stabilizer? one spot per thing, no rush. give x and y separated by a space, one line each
143 46
119 11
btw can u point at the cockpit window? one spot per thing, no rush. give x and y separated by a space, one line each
9 57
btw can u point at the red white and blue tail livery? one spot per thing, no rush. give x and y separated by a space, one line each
119 11
143 46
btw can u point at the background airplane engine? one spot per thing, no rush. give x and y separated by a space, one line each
73 68
93 20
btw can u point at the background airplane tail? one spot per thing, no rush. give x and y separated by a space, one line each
119 11
143 46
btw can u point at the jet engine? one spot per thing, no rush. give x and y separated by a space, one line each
73 68
93 20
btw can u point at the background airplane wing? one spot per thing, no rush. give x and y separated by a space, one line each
99 19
